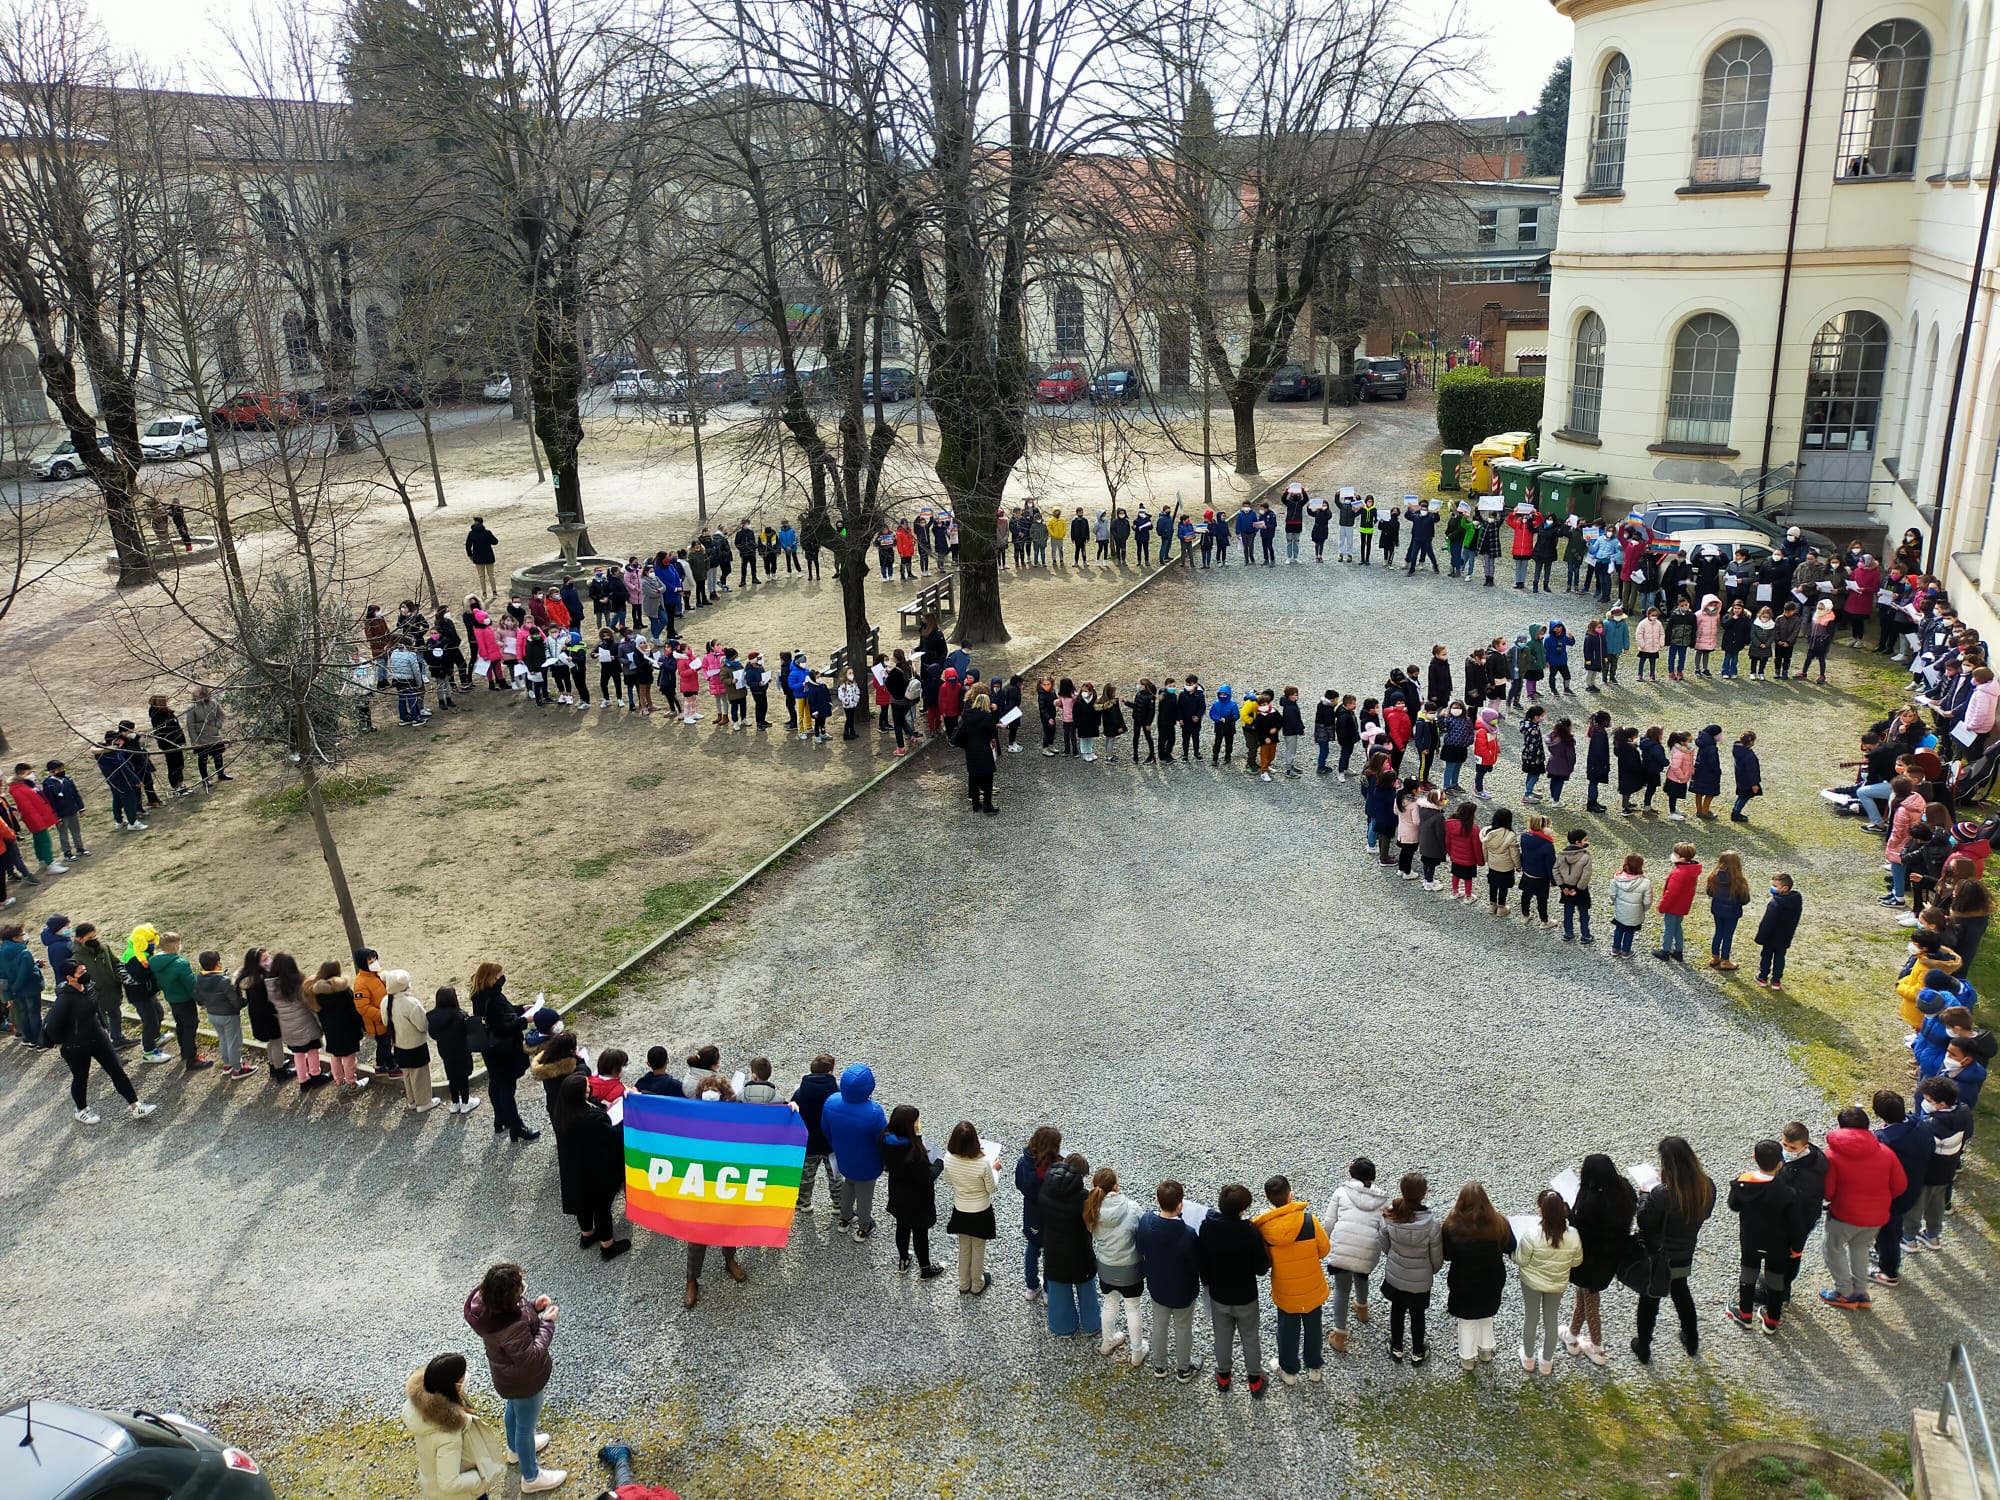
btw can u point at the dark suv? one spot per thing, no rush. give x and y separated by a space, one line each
1386 376
1295 383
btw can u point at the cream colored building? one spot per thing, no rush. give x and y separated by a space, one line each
1760 289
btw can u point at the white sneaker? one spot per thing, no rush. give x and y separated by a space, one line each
541 1442
87 1117
424 1109
1138 1354
56 869
140 1111
362 1083
469 1106
548 1479
139 825
1110 1342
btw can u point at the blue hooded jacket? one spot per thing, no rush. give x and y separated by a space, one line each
853 1123
1224 706
56 939
1555 648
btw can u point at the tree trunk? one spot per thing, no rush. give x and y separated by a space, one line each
557 393
694 426
417 536
1243 407
431 451
329 851
853 570
5 743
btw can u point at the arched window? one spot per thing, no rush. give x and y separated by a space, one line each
298 352
1911 474
1607 131
1844 379
1586 376
21 387
229 365
1069 320
1884 112
1735 101
1702 398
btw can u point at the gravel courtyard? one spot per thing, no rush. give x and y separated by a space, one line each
1194 974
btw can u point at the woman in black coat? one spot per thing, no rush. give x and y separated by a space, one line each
1669 1222
1597 758
590 1161
1476 1242
907 1164
264 1026
1144 704
505 1054
1069 1261
1602 1218
978 735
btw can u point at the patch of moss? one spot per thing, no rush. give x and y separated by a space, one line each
338 790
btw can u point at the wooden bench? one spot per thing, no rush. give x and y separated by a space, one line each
836 662
932 599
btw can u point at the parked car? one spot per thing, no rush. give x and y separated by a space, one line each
255 409
1381 377
1121 384
602 369
1674 522
1062 383
646 385
498 388
173 437
722 385
771 384
401 392
899 383
63 461
1295 383
54 1451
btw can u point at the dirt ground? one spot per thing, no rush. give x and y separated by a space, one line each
557 847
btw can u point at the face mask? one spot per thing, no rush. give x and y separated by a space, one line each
1792 1155
1912 947
1951 1067
1774 890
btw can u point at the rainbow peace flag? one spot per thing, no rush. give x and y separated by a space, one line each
712 1173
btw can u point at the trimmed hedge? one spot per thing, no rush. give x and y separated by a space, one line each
1472 406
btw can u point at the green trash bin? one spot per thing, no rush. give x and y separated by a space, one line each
1448 464
1574 492
1518 480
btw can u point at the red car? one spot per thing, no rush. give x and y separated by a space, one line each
1063 383
253 409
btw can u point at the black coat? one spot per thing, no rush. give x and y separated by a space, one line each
505 1054
73 1019
911 1173
1806 1178
1475 1274
1233 1255
448 1036
1663 1229
1765 1208
1780 922
1144 702
1438 680
1603 1221
976 731
1087 718
1597 754
1067 1254
590 1157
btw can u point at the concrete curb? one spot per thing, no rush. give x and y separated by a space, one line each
708 909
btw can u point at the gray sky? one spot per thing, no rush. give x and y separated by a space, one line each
1525 37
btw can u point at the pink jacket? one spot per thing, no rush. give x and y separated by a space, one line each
485 640
1707 626
686 672
1680 764
1980 707
634 587
711 671
1902 818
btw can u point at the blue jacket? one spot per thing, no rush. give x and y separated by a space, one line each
18 972
1167 1250
810 1096
1617 637
1913 1143
854 1123
62 795
1538 857
795 679
1928 1048
1555 648
1707 778
1028 1183
59 945
787 537
1246 522
1970 1079
819 700
1224 707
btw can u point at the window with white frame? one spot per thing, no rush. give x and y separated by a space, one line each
1702 397
21 394
1735 105
1844 379
1069 320
1586 376
1607 131
1528 226
1883 113
1488 222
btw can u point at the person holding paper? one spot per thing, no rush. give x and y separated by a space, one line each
1859 603
971 1176
1600 1211
978 735
1669 1222
1545 1259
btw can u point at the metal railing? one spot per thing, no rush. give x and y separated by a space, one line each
1986 1478
1607 154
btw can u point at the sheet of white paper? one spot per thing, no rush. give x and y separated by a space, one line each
1644 1176
936 1153
1012 716
1763 593
994 1151
1524 1227
1193 1213
1567 1182
736 1082
1965 734
617 1111
1885 596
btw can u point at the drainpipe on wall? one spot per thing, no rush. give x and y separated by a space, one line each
1791 245
1939 527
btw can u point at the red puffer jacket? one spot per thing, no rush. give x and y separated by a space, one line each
1862 1178
1462 845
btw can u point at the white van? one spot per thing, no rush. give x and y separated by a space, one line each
173 437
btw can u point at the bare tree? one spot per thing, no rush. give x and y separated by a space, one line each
1287 151
77 243
544 110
